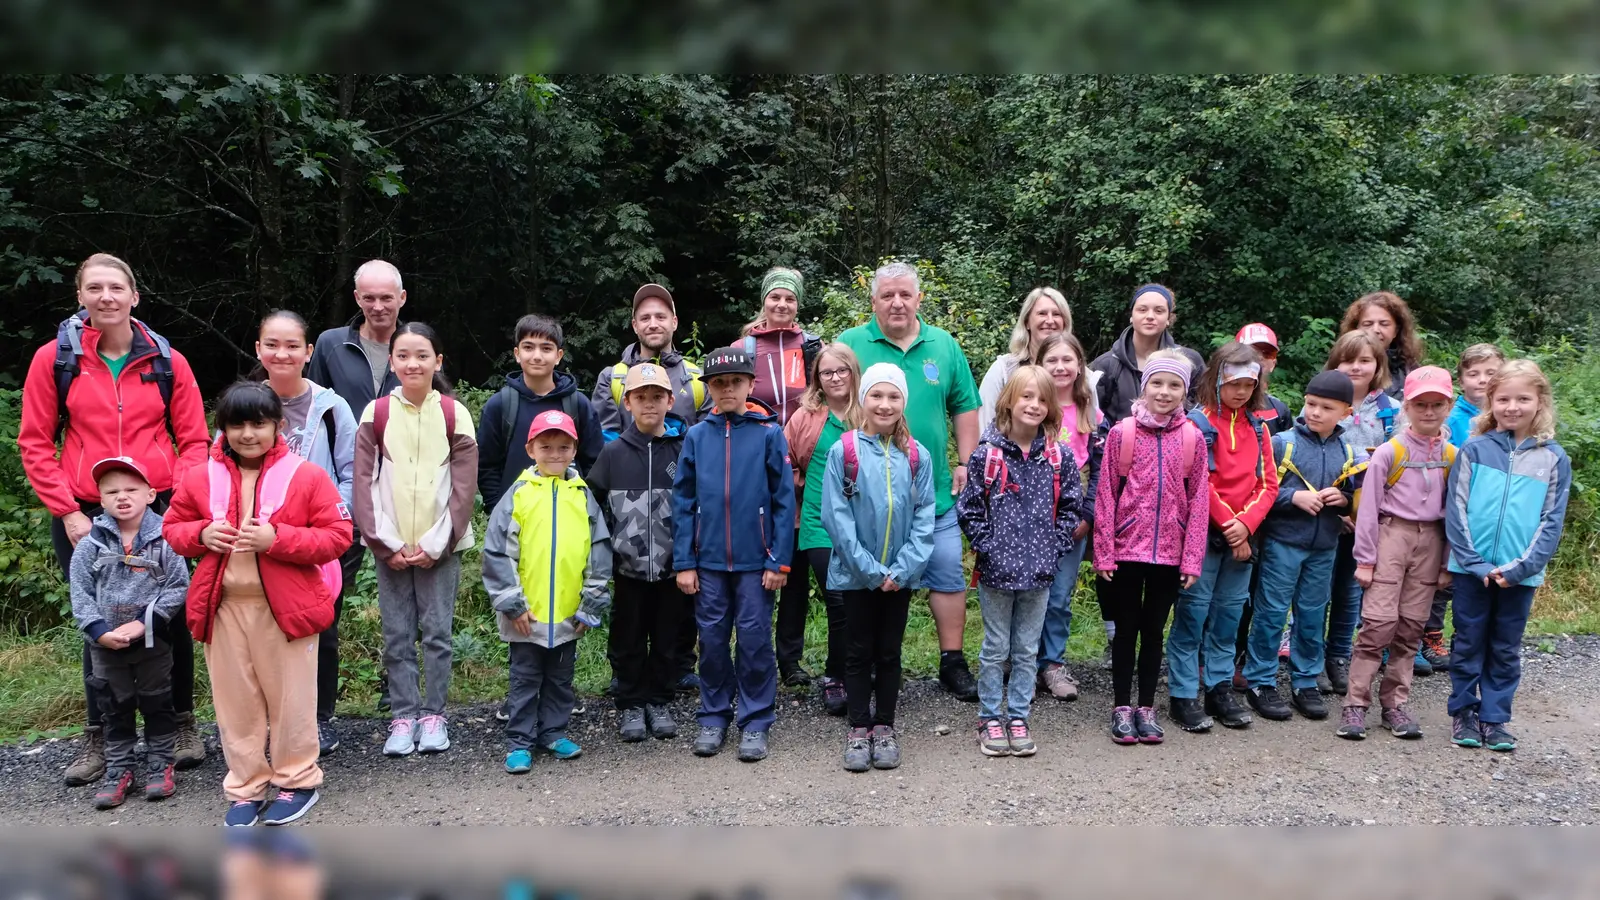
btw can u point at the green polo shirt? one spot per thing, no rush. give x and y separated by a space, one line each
940 383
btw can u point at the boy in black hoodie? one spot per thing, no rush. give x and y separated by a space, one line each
503 424
633 482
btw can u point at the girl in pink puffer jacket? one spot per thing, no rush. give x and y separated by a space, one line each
1151 514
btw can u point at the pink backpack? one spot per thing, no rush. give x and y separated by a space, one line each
273 487
852 465
1188 435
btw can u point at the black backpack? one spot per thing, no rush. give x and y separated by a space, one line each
69 352
511 404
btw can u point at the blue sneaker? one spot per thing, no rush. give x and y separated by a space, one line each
518 762
565 748
289 806
1423 667
243 813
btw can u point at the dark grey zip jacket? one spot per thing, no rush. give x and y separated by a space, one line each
337 361
633 482
110 588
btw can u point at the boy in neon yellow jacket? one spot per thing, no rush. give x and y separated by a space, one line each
546 558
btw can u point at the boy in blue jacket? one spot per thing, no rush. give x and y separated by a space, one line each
733 533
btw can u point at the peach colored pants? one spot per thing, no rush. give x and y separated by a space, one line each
1394 609
263 684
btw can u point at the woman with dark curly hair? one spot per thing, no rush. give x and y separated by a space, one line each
1388 319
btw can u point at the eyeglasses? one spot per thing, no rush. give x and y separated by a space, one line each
833 374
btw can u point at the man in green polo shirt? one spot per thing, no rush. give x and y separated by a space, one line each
942 394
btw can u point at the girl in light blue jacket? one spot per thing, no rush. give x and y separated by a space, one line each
1505 507
877 508
319 428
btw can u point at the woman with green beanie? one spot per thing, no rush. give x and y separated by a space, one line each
781 351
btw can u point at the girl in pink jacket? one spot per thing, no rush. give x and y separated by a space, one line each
1150 520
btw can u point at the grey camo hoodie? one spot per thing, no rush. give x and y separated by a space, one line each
110 588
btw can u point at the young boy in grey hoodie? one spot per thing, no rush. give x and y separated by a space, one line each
126 584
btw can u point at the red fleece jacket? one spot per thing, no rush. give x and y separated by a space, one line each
1244 481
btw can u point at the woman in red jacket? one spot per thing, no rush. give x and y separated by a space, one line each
109 386
269 532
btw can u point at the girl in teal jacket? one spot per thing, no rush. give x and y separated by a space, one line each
877 507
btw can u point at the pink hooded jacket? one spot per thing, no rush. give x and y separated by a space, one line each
1158 514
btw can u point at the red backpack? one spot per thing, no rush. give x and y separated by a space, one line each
380 418
852 465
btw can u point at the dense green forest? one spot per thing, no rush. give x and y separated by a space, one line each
1278 198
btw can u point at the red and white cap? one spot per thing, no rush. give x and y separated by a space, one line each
1256 333
553 420
1429 380
118 464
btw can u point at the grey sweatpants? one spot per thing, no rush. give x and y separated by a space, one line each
408 601
540 697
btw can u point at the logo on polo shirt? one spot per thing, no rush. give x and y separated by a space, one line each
930 371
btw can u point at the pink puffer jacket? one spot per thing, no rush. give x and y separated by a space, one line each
1159 513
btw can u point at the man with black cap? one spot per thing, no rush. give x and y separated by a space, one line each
655 320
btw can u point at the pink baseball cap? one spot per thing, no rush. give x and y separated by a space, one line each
553 420
1256 333
1429 380
118 464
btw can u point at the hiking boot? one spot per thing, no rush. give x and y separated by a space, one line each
159 784
857 750
1122 727
1269 703
243 813
834 699
1421 667
1055 678
1020 739
630 726
1144 723
189 748
688 683
327 738
113 789
992 740
1187 713
885 748
289 806
1309 702
1400 723
1434 651
1337 671
958 680
1497 738
662 725
792 675
1222 704
402 738
752 746
710 739
1466 730
1353 723
435 736
89 765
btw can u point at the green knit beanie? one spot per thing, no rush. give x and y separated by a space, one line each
788 279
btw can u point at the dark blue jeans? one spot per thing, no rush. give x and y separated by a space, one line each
729 602
1344 605
1486 651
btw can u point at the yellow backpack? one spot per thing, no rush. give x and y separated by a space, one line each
1401 464
697 388
1347 472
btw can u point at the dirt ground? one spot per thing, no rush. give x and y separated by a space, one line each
1273 773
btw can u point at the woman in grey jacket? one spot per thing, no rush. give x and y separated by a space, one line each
320 428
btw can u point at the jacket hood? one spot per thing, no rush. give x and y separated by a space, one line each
1123 348
1149 421
998 438
754 410
1506 442
105 528
565 384
532 475
632 355
1301 426
762 328
1465 407
220 453
675 426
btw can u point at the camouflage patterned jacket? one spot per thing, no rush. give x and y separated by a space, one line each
632 479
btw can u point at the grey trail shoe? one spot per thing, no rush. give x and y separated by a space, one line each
857 750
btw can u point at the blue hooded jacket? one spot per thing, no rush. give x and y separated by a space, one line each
733 496
502 457
1316 463
878 531
332 453
1505 507
1459 424
1018 538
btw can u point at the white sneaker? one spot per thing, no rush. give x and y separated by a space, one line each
402 737
435 736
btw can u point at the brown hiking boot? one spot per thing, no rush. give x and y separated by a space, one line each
1059 682
90 763
190 749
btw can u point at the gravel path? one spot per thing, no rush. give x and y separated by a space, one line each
1274 773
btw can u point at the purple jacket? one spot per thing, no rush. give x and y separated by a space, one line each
1159 513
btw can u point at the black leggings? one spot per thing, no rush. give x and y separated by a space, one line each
328 643
794 602
876 626
1143 595
176 633
817 560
